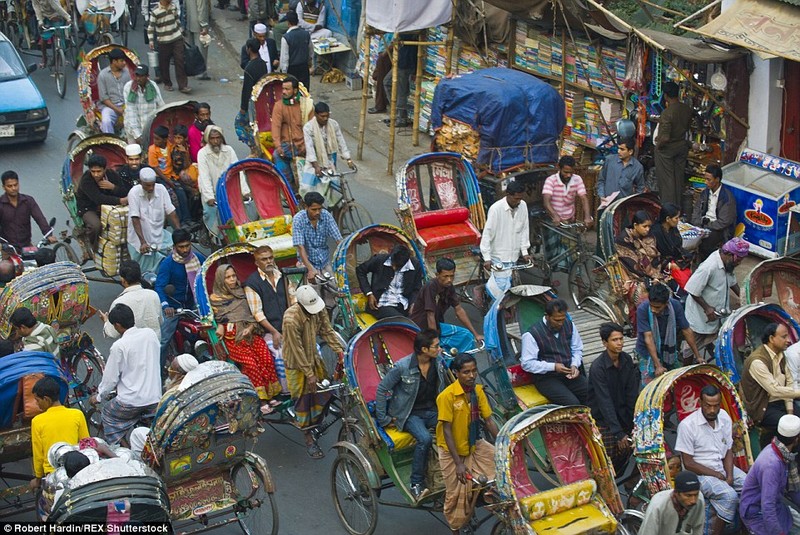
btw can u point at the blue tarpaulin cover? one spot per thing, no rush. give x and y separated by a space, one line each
519 117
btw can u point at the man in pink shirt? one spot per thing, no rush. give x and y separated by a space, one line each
559 194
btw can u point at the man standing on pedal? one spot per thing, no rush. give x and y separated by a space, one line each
505 237
311 230
324 143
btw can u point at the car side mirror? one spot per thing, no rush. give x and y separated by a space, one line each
32 68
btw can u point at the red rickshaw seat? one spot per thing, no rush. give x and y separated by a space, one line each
446 229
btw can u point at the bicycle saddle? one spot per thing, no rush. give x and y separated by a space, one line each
537 211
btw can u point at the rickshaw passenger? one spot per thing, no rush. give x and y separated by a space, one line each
266 298
714 210
159 157
213 161
142 98
613 389
180 271
406 398
669 244
678 511
202 119
709 290
767 385
133 370
558 195
149 209
657 342
552 350
35 335
505 236
395 280
129 171
772 481
636 248
144 302
178 368
705 439
462 450
56 423
434 299
311 230
302 322
241 334
98 186
110 84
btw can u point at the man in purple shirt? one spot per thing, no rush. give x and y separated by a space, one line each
772 479
16 211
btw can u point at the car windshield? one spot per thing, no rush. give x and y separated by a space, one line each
10 65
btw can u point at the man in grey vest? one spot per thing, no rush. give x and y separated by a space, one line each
296 50
552 351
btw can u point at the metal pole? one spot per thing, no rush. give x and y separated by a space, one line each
421 51
362 121
393 106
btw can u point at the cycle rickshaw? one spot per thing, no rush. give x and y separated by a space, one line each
267 91
18 373
98 24
372 459
170 115
265 219
776 280
585 498
351 315
664 403
740 334
201 444
439 206
94 61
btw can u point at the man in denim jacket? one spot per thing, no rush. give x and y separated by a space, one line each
412 386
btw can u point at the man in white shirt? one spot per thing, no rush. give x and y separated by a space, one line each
133 369
146 304
149 206
552 350
709 291
505 237
705 439
212 161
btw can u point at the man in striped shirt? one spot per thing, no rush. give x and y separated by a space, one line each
164 32
35 335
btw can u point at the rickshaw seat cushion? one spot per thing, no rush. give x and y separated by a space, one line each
450 236
401 439
590 518
519 377
529 396
266 228
438 218
558 500
281 245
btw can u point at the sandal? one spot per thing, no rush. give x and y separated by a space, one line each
266 409
314 451
168 88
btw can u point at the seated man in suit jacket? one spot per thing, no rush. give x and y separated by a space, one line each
396 279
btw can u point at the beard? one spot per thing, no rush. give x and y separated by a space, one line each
729 267
216 148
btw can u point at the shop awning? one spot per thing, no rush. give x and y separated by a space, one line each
766 26
407 15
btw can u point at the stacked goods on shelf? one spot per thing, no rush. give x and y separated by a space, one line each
458 137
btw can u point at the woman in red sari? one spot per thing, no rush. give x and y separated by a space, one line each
241 334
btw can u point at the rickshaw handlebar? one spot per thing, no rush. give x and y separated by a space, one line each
339 174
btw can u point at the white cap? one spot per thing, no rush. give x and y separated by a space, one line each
187 362
789 426
134 149
309 300
146 174
260 28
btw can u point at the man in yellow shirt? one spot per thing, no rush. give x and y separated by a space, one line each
463 454
56 424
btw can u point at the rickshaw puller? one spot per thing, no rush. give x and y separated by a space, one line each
406 398
311 230
705 442
552 350
678 511
434 299
463 454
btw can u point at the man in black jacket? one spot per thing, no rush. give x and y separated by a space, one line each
267 49
715 210
396 279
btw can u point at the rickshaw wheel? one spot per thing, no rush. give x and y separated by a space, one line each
629 522
585 278
260 514
501 528
353 217
64 252
355 500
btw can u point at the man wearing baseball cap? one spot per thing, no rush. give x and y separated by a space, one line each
680 511
149 206
302 323
142 99
773 479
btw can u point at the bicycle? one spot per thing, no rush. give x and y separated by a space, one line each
63 49
477 294
349 215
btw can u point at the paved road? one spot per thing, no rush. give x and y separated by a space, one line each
303 484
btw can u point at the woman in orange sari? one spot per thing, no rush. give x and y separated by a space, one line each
240 333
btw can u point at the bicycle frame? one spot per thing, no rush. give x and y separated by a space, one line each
571 239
